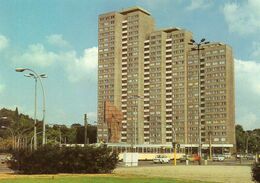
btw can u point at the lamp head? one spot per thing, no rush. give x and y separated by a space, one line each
192 41
20 69
202 40
27 75
43 75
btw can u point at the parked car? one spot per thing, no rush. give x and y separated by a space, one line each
161 159
192 158
218 157
250 156
227 155
238 156
186 157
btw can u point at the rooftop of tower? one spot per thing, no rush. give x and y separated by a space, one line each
133 9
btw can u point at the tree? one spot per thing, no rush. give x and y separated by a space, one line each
91 134
16 114
240 138
247 139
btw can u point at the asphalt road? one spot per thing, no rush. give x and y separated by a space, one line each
227 162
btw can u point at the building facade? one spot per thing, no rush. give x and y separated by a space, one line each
166 90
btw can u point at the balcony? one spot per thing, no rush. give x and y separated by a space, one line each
146 99
168 66
146 105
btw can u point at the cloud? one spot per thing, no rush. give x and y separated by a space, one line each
92 116
4 42
84 67
155 4
247 75
57 40
199 4
2 87
249 120
243 18
247 93
76 67
36 55
256 50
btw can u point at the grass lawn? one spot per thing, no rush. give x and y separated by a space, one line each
91 179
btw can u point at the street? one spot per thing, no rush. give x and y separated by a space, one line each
227 162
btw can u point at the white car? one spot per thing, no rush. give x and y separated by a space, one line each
161 159
218 157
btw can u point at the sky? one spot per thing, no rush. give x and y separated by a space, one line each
59 38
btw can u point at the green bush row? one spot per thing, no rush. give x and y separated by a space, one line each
256 172
52 159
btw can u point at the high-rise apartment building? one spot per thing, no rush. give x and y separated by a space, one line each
166 90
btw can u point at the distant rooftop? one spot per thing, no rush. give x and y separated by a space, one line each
171 29
133 9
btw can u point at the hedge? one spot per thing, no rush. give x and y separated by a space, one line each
256 172
52 159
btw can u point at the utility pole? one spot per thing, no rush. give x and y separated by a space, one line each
210 145
198 48
86 129
35 112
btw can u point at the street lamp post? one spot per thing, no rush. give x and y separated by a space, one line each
12 133
33 139
133 141
85 130
210 145
198 48
174 145
247 138
36 76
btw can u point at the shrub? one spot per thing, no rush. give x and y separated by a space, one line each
52 159
256 172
